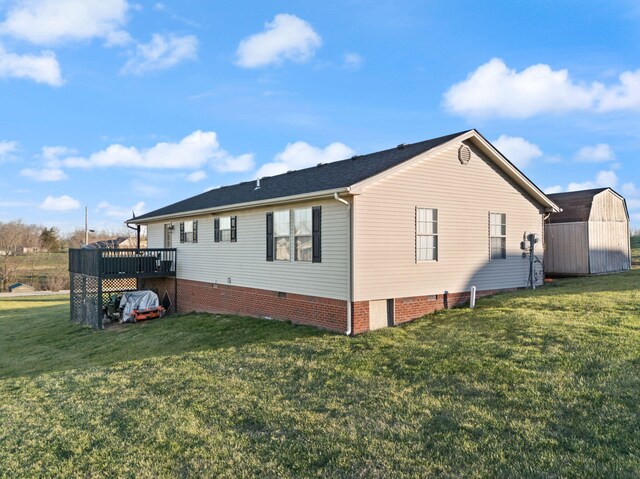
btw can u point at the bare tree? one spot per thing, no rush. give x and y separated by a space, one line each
12 236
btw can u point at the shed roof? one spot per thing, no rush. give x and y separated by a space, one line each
20 285
321 178
576 205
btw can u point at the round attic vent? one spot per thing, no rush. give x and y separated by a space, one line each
464 154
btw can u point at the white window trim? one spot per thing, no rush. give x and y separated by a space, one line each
293 235
491 236
436 235
188 239
220 239
275 238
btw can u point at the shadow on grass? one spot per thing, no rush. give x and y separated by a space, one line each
42 339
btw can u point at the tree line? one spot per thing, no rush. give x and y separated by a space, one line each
28 253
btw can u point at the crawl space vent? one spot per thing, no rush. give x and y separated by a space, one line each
464 154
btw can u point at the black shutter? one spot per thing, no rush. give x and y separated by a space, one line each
269 236
195 231
317 233
216 230
234 229
181 232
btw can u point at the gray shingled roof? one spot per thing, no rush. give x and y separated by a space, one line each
576 205
329 176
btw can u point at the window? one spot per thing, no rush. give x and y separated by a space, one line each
293 235
498 235
282 235
189 232
225 229
302 231
426 234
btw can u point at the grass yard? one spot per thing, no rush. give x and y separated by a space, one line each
530 384
635 251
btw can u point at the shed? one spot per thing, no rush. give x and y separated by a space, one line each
21 288
590 235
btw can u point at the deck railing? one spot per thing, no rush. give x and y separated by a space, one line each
123 263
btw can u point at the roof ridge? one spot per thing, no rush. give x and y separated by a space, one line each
327 176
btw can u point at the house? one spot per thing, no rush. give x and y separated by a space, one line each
590 236
26 249
358 244
21 288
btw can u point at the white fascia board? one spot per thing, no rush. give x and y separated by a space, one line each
242 206
505 165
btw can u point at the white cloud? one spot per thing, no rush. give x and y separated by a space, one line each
7 149
51 155
353 60
518 150
595 154
495 90
42 68
287 37
114 211
302 155
161 53
45 174
47 22
553 189
62 203
624 96
196 176
192 152
234 164
605 178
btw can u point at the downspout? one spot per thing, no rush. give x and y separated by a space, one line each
349 273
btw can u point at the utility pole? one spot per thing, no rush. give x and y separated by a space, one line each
86 225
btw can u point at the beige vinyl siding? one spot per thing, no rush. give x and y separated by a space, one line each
384 230
566 248
244 263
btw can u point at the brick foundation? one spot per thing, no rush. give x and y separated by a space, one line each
414 307
161 286
324 313
198 296
360 316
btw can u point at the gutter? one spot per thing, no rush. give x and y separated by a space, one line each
349 268
239 206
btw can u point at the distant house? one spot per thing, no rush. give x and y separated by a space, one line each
26 249
21 288
590 236
357 244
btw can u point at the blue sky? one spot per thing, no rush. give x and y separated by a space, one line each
123 105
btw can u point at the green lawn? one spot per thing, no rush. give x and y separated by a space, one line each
635 251
529 384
